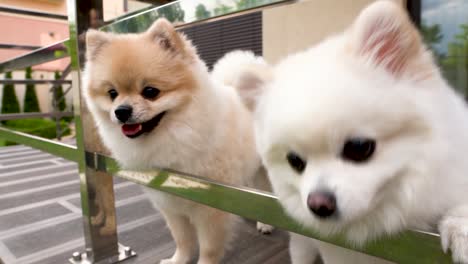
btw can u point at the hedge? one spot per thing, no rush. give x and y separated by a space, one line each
10 104
62 104
31 104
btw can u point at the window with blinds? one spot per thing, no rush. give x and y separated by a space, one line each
216 38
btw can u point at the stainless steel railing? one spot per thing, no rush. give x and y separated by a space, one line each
96 169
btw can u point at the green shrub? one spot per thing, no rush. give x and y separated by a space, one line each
60 99
10 104
31 103
62 104
38 127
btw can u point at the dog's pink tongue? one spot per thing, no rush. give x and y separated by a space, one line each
130 130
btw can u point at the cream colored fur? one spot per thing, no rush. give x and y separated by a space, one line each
241 69
207 130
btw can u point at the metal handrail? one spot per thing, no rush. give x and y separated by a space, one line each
18 46
9 81
30 12
147 17
123 24
34 115
60 149
408 247
49 53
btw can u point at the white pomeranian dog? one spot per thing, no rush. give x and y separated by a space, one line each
362 136
157 106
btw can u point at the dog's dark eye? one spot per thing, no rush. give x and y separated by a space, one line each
358 149
150 92
296 162
113 94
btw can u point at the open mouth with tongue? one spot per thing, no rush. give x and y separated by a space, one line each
135 130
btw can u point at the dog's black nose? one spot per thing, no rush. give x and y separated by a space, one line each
123 113
322 203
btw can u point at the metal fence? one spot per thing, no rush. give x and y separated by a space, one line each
96 169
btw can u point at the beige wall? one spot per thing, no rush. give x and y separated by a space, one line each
294 27
113 8
49 6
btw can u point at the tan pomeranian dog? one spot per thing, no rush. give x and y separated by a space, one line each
156 105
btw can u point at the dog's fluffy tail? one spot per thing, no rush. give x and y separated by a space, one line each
244 71
230 68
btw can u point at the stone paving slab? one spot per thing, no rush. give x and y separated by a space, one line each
31 216
40 217
10 188
34 197
37 172
44 238
23 167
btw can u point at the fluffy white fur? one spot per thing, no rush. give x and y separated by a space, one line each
241 69
207 130
230 68
375 80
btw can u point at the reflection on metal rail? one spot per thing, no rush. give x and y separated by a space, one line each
65 151
42 55
7 81
34 115
17 46
408 247
180 13
29 12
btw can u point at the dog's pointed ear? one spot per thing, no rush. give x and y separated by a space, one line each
164 33
95 40
384 34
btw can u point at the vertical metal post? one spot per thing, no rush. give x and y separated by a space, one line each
56 110
56 101
97 193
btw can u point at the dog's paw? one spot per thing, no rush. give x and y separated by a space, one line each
107 230
177 258
264 228
170 261
454 236
98 219
166 261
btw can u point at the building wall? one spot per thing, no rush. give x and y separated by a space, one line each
115 8
34 31
49 6
27 30
291 28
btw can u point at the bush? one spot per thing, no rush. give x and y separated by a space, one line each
10 104
31 103
62 104
60 99
38 127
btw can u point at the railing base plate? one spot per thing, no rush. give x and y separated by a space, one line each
124 254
